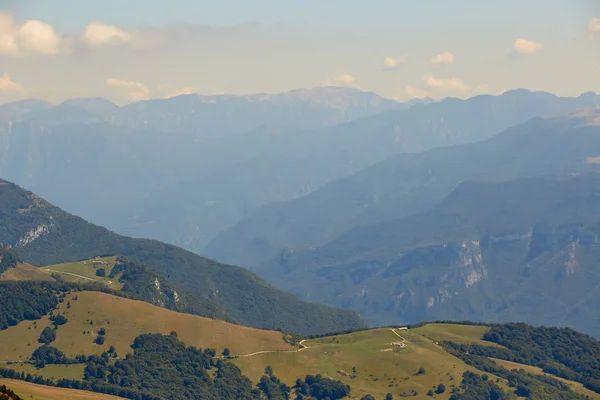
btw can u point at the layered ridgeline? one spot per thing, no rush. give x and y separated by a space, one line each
186 188
520 250
43 234
412 183
63 340
212 116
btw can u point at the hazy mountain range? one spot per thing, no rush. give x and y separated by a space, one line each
149 176
321 208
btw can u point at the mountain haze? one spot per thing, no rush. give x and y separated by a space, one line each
151 168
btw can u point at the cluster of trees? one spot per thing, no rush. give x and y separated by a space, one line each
47 354
559 351
525 384
320 388
163 366
478 387
7 394
47 336
8 259
272 387
21 301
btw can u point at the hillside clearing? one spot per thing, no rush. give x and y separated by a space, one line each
85 271
575 386
31 391
126 319
455 333
368 362
25 272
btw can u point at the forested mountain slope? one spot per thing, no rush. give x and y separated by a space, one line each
43 234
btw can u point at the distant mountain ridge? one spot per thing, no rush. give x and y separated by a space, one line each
212 116
419 179
451 230
184 189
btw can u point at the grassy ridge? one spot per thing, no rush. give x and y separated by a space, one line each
379 366
25 272
124 320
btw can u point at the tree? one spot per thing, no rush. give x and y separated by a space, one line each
367 397
441 388
421 371
389 396
48 335
268 370
59 320
99 340
101 272
226 352
102 332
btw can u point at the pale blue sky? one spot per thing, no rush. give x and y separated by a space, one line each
299 43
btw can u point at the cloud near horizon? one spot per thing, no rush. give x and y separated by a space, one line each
180 92
443 87
131 90
343 79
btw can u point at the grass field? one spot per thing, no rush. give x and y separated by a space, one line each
455 333
368 362
55 372
25 272
85 271
575 386
124 320
31 391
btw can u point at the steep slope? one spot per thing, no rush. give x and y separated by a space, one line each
523 250
43 234
410 183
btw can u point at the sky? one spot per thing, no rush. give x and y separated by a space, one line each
139 49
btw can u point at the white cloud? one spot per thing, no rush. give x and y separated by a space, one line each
415 92
442 87
132 90
392 63
444 58
31 38
99 34
185 90
524 46
446 85
343 79
7 85
594 26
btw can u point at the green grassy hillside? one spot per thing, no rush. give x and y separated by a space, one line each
124 320
399 361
